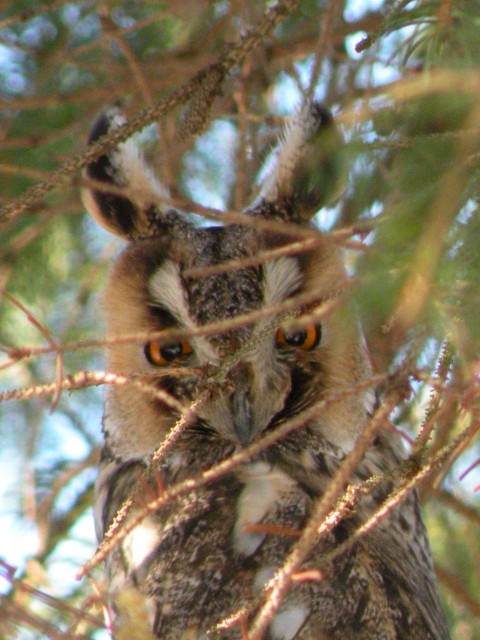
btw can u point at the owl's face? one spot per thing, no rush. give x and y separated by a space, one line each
271 350
259 372
223 335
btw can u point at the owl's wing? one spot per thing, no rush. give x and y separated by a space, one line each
384 585
402 551
187 561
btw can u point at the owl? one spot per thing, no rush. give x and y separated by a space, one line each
225 338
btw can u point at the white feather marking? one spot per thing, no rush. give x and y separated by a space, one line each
131 172
263 488
144 188
263 576
291 148
308 460
281 278
141 542
286 624
102 486
168 290
131 166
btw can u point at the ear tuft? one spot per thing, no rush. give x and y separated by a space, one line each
306 170
134 204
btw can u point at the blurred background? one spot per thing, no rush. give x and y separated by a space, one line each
403 81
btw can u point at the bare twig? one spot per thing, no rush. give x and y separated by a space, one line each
229 60
222 468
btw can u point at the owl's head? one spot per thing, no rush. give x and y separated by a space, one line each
236 314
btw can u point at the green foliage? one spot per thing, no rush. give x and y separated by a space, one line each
407 104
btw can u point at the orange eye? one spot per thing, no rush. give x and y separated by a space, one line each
304 339
161 355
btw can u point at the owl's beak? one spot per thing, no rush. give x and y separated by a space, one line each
242 415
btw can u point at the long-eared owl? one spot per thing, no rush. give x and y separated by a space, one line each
224 337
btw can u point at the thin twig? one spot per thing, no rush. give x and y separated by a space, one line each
231 57
165 336
221 469
45 332
320 521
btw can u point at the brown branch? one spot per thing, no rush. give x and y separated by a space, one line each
331 14
222 468
451 582
231 57
29 14
452 502
8 572
46 333
290 306
83 379
321 520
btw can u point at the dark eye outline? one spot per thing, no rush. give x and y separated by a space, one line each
161 355
305 339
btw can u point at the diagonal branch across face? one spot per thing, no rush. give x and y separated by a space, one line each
268 364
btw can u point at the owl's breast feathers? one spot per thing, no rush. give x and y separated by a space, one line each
210 553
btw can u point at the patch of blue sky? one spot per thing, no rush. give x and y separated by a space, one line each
462 218
84 28
12 75
379 74
356 9
64 562
61 442
37 32
327 216
285 95
467 211
70 13
210 167
19 535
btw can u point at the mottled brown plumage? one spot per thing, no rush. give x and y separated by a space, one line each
196 562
